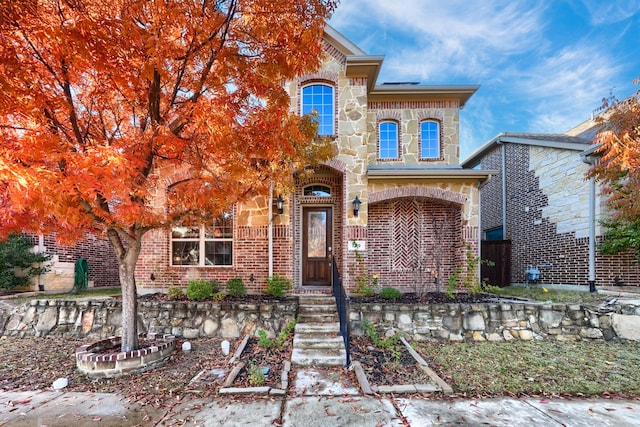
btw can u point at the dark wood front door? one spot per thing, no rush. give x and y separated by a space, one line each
317 246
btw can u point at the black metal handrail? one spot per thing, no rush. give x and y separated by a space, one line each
342 303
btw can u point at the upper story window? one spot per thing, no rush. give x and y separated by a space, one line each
388 140
204 245
317 190
430 139
319 98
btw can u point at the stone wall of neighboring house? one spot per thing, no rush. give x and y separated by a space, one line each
103 265
547 217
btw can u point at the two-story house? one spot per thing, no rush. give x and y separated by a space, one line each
393 201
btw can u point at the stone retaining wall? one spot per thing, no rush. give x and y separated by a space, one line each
102 318
455 322
501 322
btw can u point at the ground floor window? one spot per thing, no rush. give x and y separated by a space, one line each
205 245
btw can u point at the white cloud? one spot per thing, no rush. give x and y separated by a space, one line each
565 87
607 12
440 41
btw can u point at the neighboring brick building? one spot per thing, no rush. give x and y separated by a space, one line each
103 265
540 201
397 154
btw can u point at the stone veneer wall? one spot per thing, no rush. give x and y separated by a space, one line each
102 318
500 321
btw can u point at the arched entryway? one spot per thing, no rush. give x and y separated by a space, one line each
318 222
415 243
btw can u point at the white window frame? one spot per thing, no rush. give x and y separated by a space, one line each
437 140
201 241
396 141
320 117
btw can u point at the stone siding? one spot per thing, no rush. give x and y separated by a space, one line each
500 321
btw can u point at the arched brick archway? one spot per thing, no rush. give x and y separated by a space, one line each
415 243
415 191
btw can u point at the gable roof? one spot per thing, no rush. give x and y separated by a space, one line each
561 141
360 64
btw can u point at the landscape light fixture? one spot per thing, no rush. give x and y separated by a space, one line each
356 206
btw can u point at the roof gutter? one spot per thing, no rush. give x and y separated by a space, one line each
412 173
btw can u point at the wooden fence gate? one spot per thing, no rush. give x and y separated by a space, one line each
499 253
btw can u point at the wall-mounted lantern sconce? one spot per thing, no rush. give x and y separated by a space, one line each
356 206
280 204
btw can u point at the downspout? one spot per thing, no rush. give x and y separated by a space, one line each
503 149
592 227
40 250
480 186
270 230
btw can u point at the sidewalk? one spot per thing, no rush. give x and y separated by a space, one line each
306 407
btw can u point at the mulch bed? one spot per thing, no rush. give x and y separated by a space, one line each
382 367
408 298
272 358
428 298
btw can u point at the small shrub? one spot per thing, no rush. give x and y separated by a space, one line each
256 376
198 290
277 285
390 293
390 343
282 337
236 287
264 340
175 293
219 296
217 284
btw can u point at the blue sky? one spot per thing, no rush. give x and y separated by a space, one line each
542 66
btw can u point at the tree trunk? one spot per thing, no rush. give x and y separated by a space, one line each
129 304
127 256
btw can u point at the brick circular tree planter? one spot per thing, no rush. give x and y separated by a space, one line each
103 359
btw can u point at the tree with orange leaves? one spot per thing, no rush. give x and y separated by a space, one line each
97 96
618 168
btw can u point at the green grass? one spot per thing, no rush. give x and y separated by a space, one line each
538 293
536 367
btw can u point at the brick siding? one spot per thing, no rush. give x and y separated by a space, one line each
103 265
535 240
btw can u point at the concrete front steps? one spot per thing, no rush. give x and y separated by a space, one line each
317 340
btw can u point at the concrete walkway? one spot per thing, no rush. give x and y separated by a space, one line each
310 409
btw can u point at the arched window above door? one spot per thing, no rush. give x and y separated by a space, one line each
317 190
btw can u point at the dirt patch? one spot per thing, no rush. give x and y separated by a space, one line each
34 363
385 367
269 361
